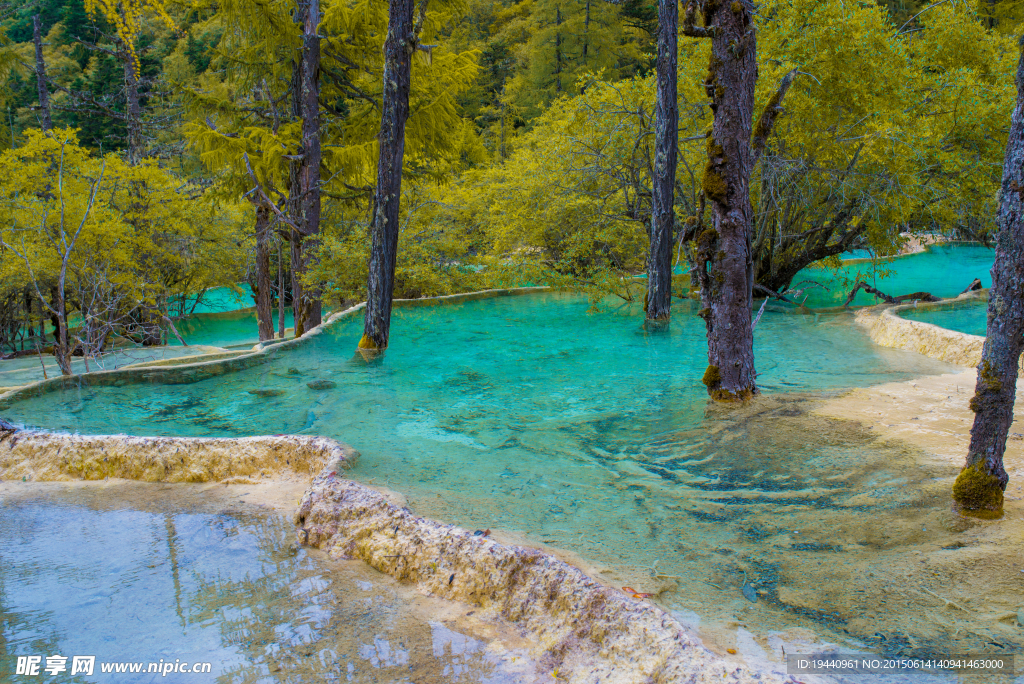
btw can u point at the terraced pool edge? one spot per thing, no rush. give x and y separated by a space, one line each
887 328
582 628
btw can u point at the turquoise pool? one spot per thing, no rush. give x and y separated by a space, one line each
943 270
226 329
970 318
171 574
581 431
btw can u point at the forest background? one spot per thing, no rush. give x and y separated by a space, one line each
165 155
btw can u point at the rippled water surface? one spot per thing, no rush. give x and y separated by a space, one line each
151 574
585 432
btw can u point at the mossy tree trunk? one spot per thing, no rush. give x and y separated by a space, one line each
979 487
725 267
666 136
398 48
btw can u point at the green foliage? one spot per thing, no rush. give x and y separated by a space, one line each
145 247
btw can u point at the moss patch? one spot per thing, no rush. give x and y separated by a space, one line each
978 492
367 343
989 386
712 378
715 187
727 396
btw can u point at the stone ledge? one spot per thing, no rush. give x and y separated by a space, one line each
886 328
587 632
40 456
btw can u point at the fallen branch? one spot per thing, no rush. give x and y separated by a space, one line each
919 296
174 330
975 285
773 293
757 320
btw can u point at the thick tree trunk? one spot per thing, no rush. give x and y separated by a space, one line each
979 487
45 122
264 308
726 291
309 174
398 49
666 136
725 268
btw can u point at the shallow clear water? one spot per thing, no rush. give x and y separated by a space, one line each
224 329
969 318
220 299
143 573
943 270
587 433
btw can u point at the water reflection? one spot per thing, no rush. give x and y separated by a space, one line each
80 574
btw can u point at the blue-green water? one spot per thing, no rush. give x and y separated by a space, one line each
224 329
220 299
970 318
943 270
136 573
585 432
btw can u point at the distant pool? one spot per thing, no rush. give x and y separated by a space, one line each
970 318
226 329
587 433
944 270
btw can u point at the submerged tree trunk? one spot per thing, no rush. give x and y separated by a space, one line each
398 49
264 308
309 175
725 264
979 487
45 122
666 136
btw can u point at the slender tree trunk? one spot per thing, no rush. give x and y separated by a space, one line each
979 487
586 30
398 49
133 108
558 50
280 291
666 136
264 306
309 174
295 209
62 348
725 268
45 122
